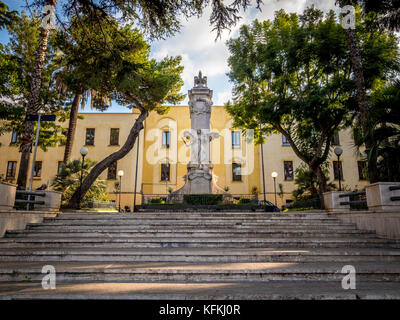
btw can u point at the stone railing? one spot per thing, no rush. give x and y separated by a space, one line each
380 196
46 204
43 200
334 202
382 215
383 196
7 198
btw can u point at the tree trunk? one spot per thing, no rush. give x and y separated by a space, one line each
106 162
33 105
355 56
322 184
73 117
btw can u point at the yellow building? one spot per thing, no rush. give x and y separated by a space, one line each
163 156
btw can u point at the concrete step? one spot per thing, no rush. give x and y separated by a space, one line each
127 242
185 235
55 221
191 214
187 218
199 255
206 253
183 228
271 290
200 272
200 225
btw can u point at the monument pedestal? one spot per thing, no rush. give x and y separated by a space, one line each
199 179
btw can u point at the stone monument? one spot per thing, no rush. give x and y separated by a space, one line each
199 179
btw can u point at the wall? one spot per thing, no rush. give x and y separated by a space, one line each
17 220
385 224
102 123
151 155
177 120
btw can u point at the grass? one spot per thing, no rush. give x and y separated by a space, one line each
298 209
100 209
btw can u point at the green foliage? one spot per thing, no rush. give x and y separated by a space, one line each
157 19
202 199
6 16
68 180
298 209
157 201
386 13
383 131
244 201
17 62
116 186
280 193
294 76
122 70
307 183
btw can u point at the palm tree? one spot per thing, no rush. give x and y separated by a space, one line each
68 181
389 14
33 105
81 97
384 132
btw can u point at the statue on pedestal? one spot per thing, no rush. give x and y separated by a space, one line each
199 177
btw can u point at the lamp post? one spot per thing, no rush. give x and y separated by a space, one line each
338 151
262 164
137 160
84 151
120 174
274 175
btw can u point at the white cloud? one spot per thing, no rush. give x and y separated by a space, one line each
199 50
223 97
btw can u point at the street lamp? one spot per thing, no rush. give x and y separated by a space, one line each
84 151
120 174
274 175
262 164
338 151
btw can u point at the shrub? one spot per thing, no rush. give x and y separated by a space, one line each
68 180
157 200
202 199
244 201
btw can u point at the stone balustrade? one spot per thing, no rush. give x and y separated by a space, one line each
7 195
332 201
383 214
52 201
381 197
11 219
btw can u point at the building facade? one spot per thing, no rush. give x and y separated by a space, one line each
164 154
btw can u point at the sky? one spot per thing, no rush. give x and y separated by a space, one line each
199 50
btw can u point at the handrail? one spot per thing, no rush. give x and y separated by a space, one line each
29 201
345 203
31 193
355 193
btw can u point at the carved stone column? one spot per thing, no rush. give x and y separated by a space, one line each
199 176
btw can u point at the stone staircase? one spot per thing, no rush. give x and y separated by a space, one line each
197 255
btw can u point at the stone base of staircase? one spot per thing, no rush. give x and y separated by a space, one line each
273 290
197 255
